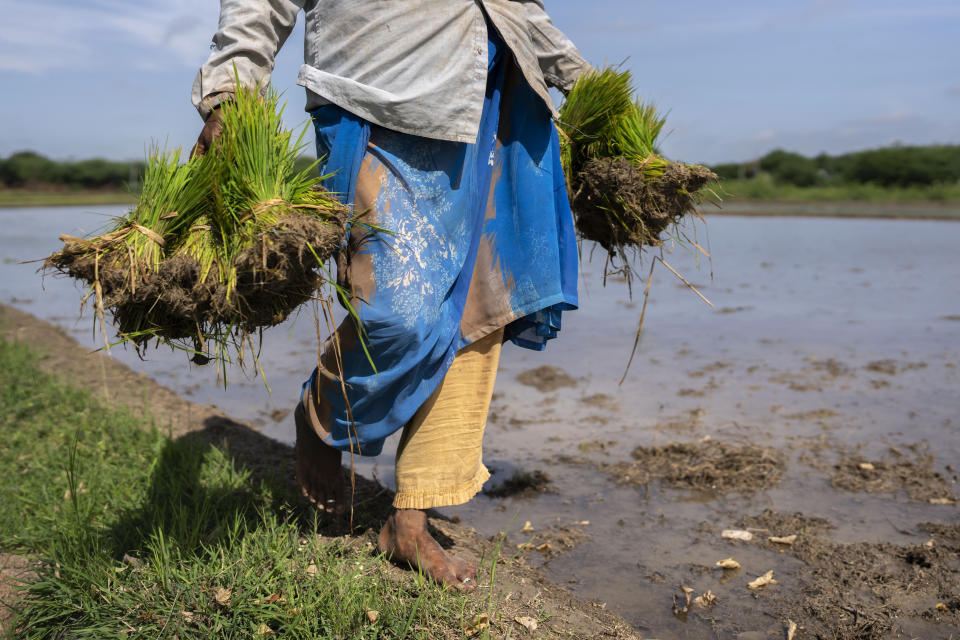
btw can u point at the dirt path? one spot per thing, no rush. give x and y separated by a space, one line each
522 591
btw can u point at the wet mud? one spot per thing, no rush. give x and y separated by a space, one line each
864 589
541 545
914 475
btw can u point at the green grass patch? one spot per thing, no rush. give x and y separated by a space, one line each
766 189
135 535
65 198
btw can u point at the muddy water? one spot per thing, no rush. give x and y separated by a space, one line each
830 341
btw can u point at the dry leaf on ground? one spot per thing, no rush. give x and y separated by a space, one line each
737 534
312 570
677 607
264 630
372 615
728 563
528 623
791 629
763 580
222 596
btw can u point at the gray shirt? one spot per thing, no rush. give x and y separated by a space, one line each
414 66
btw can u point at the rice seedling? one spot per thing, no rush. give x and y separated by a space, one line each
624 193
217 247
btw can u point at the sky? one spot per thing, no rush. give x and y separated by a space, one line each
109 78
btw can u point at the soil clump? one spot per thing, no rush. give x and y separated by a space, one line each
521 484
892 367
648 206
706 465
546 378
275 275
600 401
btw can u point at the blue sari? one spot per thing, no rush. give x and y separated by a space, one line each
480 237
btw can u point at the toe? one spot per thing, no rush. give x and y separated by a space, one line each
464 569
446 576
466 585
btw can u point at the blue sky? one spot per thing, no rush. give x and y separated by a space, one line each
85 78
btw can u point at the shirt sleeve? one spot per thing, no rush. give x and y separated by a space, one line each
244 47
560 61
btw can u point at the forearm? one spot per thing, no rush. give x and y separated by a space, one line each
245 45
560 61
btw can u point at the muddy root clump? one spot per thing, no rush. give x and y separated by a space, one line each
616 206
276 273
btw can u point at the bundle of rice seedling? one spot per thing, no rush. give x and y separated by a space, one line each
217 247
623 192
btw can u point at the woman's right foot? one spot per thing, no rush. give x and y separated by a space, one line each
405 538
318 467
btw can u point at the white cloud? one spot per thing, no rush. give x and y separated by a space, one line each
40 35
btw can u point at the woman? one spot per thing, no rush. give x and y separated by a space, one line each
434 118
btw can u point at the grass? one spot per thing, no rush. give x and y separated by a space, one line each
63 198
136 535
765 189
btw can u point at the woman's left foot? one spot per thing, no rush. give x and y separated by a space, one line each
404 538
318 468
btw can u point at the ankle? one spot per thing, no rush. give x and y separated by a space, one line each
409 519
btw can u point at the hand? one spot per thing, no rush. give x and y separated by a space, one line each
210 132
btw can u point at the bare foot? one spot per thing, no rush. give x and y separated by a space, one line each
404 538
318 468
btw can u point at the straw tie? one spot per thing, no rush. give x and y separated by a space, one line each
153 235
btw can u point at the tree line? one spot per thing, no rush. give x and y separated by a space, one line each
28 169
31 170
896 166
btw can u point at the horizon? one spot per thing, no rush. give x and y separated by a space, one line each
735 83
892 145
